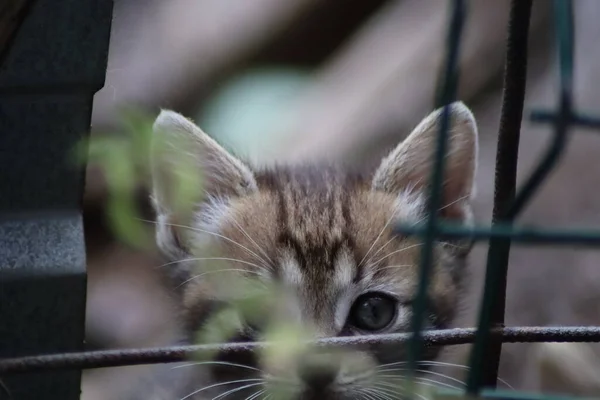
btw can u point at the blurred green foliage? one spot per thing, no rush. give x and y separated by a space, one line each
124 161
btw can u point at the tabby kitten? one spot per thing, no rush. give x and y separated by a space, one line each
323 234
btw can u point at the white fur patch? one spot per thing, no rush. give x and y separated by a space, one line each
212 213
290 271
209 219
410 205
165 238
344 270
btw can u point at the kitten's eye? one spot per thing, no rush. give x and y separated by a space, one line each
373 311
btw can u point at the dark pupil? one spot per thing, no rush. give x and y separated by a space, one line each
373 312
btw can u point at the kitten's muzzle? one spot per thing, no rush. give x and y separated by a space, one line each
318 371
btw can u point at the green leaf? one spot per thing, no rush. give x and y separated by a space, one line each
121 179
220 328
139 130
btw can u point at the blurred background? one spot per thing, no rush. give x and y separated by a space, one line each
293 80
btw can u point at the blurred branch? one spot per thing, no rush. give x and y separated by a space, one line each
384 80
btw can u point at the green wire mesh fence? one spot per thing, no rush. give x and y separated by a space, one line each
508 203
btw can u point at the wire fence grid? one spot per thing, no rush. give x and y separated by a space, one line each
508 204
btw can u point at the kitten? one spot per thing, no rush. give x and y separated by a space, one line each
322 233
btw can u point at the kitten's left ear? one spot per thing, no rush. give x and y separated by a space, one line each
181 149
408 166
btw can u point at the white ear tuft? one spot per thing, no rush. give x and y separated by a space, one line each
408 166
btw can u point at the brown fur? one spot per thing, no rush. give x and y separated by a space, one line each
322 233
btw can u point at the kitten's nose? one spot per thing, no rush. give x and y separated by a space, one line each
318 371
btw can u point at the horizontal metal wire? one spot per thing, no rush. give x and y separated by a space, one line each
518 234
502 394
575 119
447 337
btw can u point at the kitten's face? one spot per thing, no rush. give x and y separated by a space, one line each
325 237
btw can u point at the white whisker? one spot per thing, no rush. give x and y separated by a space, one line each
444 207
380 248
270 262
216 363
395 252
454 202
420 379
227 393
218 270
424 371
391 364
394 266
367 394
191 228
220 384
213 258
256 394
378 236
388 387
395 389
446 364
432 382
383 393
423 381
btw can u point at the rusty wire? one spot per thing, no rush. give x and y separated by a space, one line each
446 337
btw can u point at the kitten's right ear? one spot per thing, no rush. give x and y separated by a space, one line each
409 165
180 147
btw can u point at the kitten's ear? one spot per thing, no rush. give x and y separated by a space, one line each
409 165
182 150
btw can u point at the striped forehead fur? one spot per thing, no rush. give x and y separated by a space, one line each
317 222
